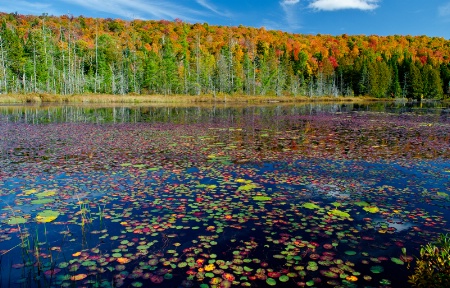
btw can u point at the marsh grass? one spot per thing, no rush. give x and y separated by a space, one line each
135 98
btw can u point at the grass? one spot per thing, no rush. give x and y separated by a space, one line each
135 98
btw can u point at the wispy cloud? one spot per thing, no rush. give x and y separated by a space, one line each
332 5
140 9
212 8
26 7
444 10
291 16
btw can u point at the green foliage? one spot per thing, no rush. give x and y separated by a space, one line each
432 83
415 82
379 79
433 265
14 50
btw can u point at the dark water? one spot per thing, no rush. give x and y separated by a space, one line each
289 195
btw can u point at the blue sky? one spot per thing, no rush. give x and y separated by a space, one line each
335 17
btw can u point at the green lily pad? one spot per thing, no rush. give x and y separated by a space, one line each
46 194
271 282
361 203
42 201
377 269
397 261
310 206
16 220
339 213
247 187
139 166
262 198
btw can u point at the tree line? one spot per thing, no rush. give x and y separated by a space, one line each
75 55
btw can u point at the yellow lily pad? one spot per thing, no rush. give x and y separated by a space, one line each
371 209
47 216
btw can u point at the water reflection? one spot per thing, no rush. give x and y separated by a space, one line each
197 114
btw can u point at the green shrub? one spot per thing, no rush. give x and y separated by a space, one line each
433 265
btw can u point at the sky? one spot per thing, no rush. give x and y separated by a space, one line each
334 17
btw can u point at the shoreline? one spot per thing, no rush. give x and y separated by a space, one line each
41 98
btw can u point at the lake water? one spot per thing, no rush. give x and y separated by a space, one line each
315 195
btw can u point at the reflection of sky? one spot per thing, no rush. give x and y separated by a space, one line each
328 191
396 223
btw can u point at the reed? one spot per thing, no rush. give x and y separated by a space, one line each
136 98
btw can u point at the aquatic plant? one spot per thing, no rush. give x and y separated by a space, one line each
260 199
433 265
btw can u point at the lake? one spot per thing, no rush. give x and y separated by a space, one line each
315 195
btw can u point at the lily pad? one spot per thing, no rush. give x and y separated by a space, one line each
376 269
310 206
47 216
397 261
371 209
339 213
262 198
271 282
17 220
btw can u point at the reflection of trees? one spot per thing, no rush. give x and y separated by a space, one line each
184 115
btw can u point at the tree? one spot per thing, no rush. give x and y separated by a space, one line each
75 55
36 66
415 82
151 72
395 89
379 79
445 76
432 83
13 51
168 67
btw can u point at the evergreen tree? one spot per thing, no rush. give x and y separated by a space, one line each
14 49
395 89
169 68
445 76
362 76
432 83
415 82
151 69
379 78
36 64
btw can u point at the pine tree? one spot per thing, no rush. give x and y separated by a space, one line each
432 83
415 82
395 89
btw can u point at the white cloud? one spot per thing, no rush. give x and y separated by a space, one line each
332 5
444 10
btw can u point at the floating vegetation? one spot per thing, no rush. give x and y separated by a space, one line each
251 199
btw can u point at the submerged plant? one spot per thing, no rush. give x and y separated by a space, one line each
433 266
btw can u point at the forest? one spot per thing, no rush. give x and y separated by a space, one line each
69 55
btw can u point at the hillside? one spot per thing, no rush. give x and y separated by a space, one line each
67 55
